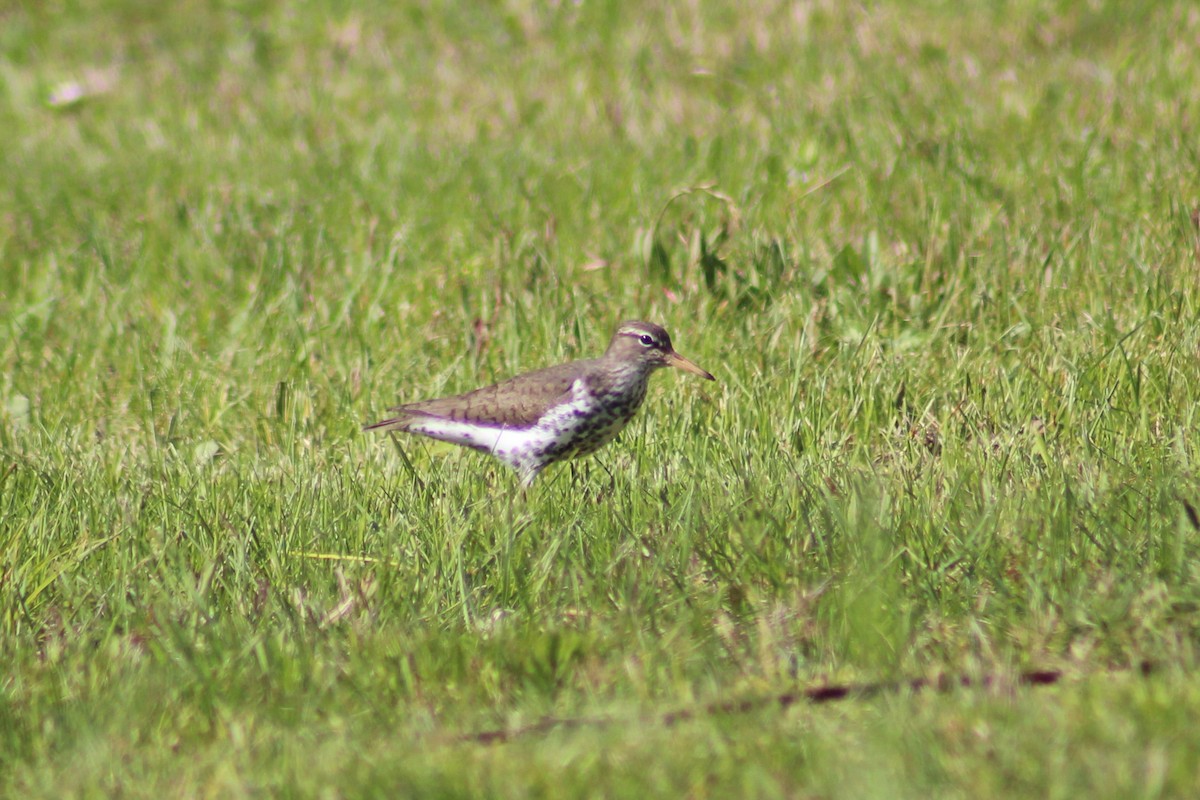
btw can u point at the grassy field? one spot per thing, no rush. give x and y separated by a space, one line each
940 257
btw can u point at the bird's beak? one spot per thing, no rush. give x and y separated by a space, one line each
676 360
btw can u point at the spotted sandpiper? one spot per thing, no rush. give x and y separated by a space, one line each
552 414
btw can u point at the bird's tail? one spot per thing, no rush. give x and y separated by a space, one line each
400 423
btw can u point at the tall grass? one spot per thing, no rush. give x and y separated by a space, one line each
941 260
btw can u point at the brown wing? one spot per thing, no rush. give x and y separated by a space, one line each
517 402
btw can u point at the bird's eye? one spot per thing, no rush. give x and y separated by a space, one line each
646 340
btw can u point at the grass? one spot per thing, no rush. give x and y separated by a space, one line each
941 260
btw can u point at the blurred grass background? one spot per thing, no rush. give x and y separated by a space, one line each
941 258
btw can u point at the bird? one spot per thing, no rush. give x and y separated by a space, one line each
565 411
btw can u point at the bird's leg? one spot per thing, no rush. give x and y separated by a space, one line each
528 476
408 464
612 479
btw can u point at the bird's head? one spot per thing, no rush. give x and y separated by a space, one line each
649 346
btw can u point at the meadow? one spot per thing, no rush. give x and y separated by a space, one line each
942 259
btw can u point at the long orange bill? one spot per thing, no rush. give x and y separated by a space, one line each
676 360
